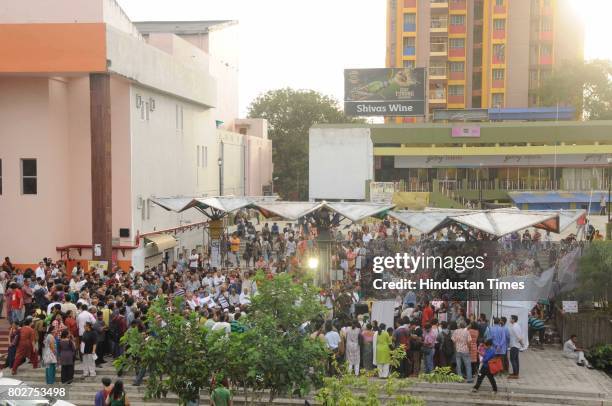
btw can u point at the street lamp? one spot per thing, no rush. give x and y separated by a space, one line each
220 163
313 263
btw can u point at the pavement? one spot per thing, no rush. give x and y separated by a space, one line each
548 369
547 378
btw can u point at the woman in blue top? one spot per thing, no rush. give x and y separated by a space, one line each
484 367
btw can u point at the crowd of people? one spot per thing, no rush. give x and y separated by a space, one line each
59 315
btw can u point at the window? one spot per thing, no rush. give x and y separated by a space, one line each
147 111
497 100
498 74
499 3
545 50
28 177
499 24
455 90
477 56
198 156
546 24
409 46
477 80
457 19
204 157
410 22
499 52
409 64
457 43
457 66
142 112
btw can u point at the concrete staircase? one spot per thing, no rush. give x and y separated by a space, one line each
4 339
82 392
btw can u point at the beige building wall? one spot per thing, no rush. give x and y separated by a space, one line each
517 54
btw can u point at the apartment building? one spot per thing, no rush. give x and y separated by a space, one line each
482 53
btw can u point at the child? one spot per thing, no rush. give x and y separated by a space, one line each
484 367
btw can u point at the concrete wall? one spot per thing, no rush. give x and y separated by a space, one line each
233 153
34 113
340 163
154 68
517 54
223 49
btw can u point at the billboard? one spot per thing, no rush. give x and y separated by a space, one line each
384 92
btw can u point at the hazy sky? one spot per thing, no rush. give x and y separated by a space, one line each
307 44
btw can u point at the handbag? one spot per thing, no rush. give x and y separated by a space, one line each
495 365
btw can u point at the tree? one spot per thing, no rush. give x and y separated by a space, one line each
586 86
595 270
273 356
290 114
179 355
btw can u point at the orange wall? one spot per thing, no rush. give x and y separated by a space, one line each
53 48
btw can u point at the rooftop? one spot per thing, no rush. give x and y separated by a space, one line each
182 27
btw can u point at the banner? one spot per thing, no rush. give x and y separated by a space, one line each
97 265
384 92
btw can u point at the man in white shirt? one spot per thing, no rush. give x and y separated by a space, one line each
193 260
84 317
40 271
570 350
516 344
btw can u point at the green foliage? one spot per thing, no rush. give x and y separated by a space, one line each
586 86
595 270
363 390
441 375
346 389
290 114
272 355
179 354
601 357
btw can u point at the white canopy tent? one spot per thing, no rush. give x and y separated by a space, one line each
287 210
497 222
212 207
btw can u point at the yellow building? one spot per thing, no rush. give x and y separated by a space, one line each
482 53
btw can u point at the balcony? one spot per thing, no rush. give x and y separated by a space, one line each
410 3
457 52
546 60
409 51
456 99
458 5
499 34
498 84
438 25
437 72
409 27
457 29
545 36
499 10
457 76
438 49
438 4
437 96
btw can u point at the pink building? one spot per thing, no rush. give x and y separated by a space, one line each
98 117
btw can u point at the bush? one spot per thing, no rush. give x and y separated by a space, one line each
441 375
601 357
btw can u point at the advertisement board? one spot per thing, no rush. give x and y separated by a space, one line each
384 92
